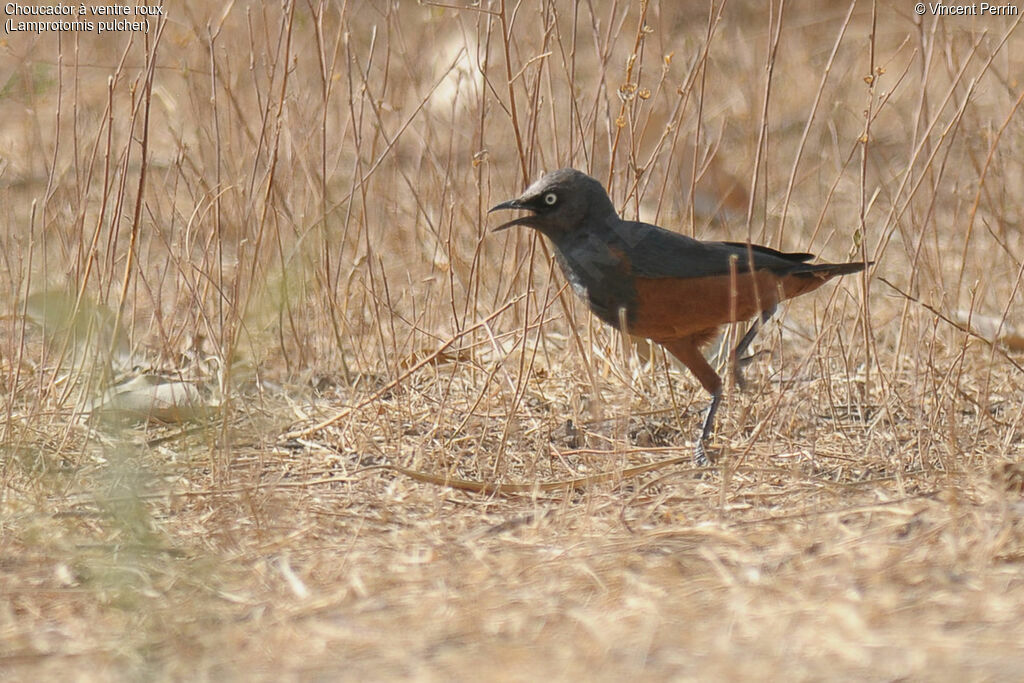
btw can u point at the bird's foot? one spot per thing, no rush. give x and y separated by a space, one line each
700 455
740 365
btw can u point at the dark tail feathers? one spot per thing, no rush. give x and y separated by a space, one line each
828 270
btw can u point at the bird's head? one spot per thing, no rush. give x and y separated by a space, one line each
559 203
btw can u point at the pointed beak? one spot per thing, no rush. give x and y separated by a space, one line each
511 204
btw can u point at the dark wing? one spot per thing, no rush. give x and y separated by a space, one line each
655 253
798 256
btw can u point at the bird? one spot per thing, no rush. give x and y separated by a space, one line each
651 282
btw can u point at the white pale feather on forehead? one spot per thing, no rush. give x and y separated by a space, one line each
537 186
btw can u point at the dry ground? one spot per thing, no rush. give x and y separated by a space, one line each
406 450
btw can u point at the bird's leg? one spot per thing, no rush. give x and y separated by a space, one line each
700 457
687 350
739 360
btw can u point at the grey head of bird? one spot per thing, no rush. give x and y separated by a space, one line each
560 203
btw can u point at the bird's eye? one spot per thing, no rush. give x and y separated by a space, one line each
550 198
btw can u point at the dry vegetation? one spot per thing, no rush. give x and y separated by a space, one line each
408 450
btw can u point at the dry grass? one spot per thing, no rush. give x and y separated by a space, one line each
284 209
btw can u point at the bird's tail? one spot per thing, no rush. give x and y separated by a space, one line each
829 270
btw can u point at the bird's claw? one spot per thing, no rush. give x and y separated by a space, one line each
737 373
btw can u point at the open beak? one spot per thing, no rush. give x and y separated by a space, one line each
511 204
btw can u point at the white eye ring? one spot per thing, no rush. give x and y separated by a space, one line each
550 198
